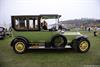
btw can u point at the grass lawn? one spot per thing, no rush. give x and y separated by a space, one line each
50 58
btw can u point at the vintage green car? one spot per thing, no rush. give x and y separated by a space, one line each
31 32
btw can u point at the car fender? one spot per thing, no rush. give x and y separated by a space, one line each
19 37
79 37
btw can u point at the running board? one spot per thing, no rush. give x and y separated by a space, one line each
43 47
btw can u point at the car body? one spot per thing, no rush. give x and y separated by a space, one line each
2 32
28 33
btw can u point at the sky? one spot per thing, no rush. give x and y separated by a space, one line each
69 9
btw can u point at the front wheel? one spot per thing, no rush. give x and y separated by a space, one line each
81 45
19 46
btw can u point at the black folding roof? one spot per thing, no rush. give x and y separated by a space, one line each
50 16
44 16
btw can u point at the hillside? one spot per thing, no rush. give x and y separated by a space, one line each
81 22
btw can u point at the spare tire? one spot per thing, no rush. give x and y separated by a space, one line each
58 41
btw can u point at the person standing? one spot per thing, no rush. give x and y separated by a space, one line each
45 25
95 32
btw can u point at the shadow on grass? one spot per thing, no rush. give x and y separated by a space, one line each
42 51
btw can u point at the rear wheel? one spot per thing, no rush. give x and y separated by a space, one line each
81 45
19 46
59 41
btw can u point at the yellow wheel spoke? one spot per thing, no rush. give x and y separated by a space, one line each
84 46
19 46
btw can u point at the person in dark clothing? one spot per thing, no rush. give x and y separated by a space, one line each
41 25
60 27
95 33
89 29
44 25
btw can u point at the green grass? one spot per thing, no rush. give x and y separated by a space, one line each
50 58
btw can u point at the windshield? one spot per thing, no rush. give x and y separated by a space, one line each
50 22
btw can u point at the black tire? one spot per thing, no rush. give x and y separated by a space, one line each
54 41
77 45
17 43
